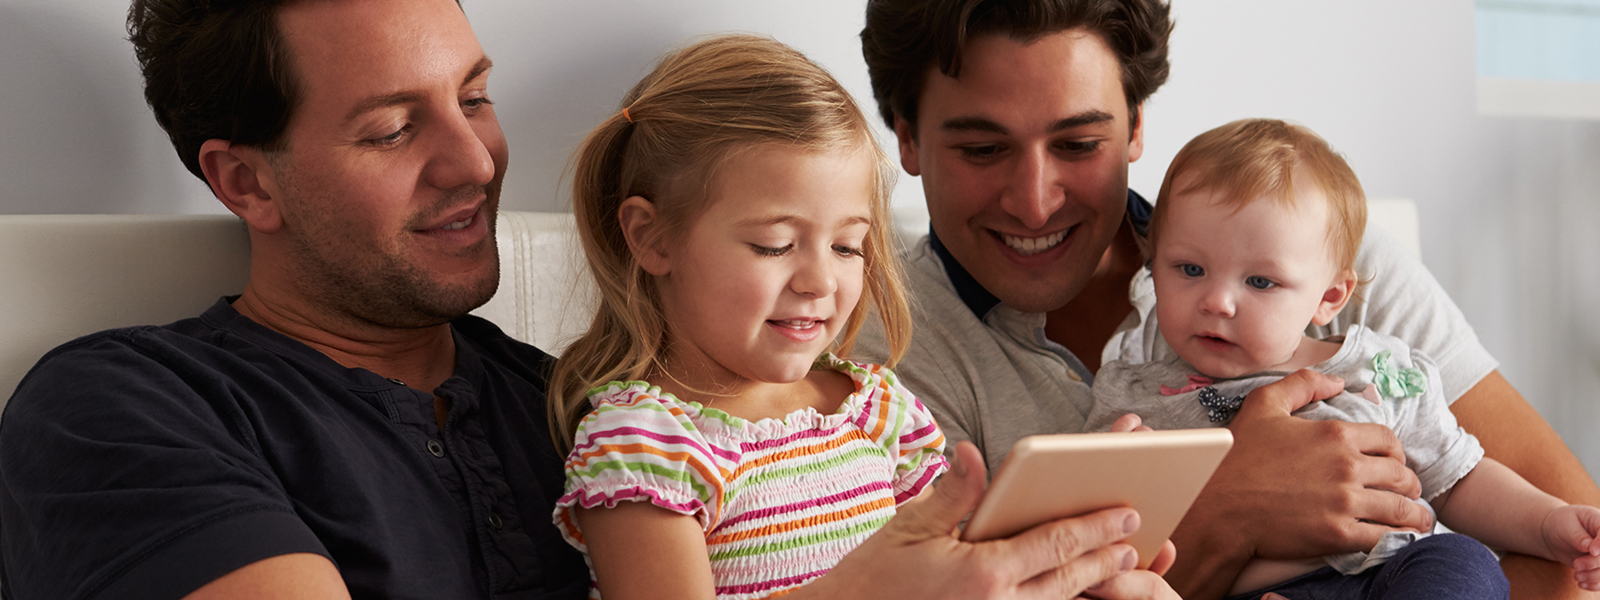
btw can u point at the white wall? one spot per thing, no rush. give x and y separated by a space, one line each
1510 207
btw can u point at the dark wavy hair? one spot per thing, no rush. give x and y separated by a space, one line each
903 38
214 69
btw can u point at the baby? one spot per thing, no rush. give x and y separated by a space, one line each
1254 238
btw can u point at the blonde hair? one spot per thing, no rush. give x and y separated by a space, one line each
1251 158
699 105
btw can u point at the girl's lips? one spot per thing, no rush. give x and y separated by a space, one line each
800 329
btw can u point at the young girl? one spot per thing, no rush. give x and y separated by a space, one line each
734 213
1255 237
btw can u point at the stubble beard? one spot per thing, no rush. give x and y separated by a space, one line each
369 282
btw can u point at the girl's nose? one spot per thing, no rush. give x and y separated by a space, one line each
815 278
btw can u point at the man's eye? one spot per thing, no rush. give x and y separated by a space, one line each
980 152
768 251
1259 282
476 103
1191 270
391 139
1080 147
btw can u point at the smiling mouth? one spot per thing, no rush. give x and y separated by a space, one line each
462 224
1034 245
797 324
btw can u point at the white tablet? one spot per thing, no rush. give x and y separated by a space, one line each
1048 477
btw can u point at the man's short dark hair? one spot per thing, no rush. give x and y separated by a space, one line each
903 38
214 69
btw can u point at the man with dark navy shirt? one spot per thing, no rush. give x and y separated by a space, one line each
339 429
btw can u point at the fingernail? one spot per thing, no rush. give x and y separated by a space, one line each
1130 559
1130 524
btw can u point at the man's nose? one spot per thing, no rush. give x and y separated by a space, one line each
1034 192
459 157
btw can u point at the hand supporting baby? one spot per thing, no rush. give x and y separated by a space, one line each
1570 538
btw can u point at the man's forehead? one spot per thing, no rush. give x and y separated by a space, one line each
1068 75
367 48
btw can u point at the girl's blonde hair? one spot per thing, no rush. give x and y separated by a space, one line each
1250 158
700 105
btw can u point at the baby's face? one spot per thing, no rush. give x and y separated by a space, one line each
1236 290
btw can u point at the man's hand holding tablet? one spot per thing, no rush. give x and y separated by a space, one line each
1048 477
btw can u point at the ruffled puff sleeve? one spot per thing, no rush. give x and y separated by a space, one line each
907 432
639 447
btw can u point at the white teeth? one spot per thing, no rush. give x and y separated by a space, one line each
1034 245
462 224
797 324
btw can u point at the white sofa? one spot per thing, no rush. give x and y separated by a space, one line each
63 276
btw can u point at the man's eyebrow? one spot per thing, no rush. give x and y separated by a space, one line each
376 102
982 125
483 65
973 124
1079 120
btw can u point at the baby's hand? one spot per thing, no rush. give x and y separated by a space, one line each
1570 533
1129 422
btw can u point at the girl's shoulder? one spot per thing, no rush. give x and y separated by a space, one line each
642 405
880 405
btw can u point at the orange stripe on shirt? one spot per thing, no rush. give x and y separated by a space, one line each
778 529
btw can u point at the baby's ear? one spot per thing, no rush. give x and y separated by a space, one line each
641 225
1335 297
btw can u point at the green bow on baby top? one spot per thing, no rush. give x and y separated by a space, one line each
1395 382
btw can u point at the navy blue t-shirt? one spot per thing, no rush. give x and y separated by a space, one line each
146 462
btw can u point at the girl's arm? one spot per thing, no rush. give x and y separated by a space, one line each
1501 509
640 550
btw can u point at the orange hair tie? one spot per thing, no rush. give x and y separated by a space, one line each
625 115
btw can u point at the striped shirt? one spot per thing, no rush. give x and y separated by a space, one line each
780 501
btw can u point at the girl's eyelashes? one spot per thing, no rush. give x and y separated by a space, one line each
840 249
1259 282
769 251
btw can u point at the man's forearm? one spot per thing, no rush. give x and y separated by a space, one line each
1514 434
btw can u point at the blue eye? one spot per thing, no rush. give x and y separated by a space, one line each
1191 270
1259 282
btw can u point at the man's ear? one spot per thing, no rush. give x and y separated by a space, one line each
641 227
907 139
1336 296
1136 135
244 180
